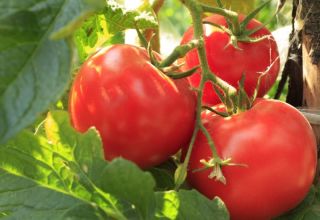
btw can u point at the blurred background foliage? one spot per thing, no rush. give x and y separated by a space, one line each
173 16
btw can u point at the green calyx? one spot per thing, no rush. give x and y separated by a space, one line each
237 30
215 165
235 103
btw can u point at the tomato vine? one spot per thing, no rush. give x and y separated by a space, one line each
238 33
128 102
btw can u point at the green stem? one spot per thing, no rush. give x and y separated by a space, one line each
226 87
179 75
196 10
222 114
231 15
155 44
178 52
211 143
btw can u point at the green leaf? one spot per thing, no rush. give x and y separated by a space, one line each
34 71
89 31
67 163
189 205
93 34
126 181
117 38
64 176
81 10
120 178
21 198
164 179
164 175
118 18
67 170
85 150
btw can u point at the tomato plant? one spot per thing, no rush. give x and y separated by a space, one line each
141 114
230 63
274 154
130 102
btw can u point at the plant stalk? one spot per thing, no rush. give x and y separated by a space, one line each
231 15
148 33
196 10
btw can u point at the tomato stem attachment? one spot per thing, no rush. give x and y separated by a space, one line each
237 30
230 15
216 172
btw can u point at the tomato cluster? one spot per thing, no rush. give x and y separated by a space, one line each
145 116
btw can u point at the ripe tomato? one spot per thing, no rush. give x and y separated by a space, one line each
277 146
230 63
140 113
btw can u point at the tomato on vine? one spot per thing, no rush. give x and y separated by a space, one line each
253 59
273 159
140 113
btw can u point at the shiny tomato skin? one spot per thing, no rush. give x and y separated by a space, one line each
141 114
229 63
276 147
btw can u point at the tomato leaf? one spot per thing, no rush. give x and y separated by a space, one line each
87 36
65 176
164 179
127 182
121 178
105 28
22 198
52 169
93 34
67 164
64 139
189 205
81 10
119 18
34 71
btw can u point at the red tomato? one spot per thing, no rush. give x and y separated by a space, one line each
278 148
140 113
230 63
